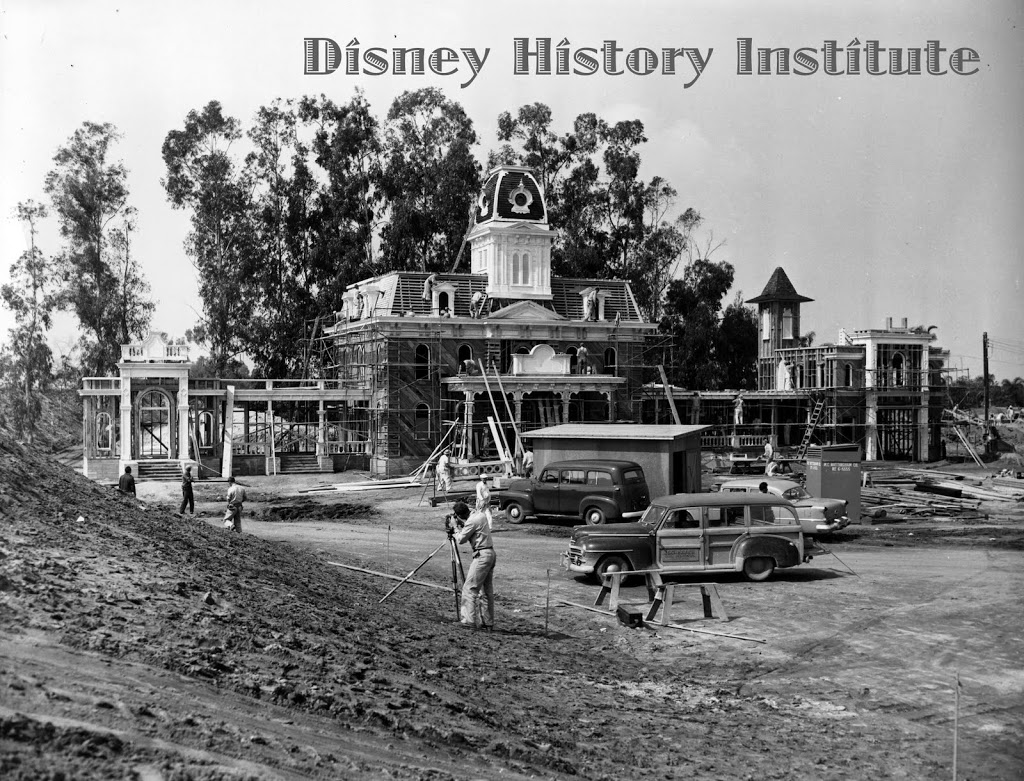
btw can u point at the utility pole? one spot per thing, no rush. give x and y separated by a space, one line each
984 369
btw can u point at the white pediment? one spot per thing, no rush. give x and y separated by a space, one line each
542 359
525 310
155 348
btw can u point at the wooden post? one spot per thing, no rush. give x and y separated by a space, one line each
668 395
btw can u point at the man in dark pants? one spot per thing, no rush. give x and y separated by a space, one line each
126 483
187 497
474 529
236 498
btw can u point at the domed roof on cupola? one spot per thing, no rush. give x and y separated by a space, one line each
511 193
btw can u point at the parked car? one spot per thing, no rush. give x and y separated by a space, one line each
750 533
817 515
594 490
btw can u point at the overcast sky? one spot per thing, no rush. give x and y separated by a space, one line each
880 195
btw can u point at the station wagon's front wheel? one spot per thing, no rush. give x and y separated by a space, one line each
593 516
759 568
514 512
610 564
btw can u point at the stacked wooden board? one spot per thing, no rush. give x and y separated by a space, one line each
906 491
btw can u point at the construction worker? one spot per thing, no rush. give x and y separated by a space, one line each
769 458
476 305
528 463
444 470
483 498
236 498
475 529
126 483
188 498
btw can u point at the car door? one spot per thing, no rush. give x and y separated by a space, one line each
545 493
680 541
571 490
724 525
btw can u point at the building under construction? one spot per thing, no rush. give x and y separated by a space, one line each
415 362
883 389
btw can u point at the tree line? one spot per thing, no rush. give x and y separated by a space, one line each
313 195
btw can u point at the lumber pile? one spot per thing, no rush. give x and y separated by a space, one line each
907 491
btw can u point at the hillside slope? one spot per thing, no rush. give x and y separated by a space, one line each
137 644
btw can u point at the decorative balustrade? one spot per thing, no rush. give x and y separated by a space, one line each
101 383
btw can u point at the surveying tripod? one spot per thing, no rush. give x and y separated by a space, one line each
458 574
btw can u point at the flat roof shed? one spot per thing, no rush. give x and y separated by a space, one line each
669 454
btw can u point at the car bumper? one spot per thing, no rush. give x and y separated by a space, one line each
826 527
573 563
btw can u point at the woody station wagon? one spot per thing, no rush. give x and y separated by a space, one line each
749 533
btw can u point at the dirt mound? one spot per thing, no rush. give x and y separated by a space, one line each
137 644
309 510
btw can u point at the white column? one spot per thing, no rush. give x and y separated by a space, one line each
183 429
126 420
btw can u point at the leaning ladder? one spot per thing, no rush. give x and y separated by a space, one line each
812 423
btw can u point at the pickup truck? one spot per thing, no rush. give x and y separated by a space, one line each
594 490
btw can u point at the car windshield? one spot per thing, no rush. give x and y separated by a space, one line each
653 515
794 493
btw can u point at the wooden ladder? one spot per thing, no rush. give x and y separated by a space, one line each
966 444
812 423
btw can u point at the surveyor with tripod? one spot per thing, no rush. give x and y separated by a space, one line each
473 528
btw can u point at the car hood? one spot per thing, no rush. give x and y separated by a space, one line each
516 484
609 530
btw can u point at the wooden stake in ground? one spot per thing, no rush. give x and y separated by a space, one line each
956 719
547 605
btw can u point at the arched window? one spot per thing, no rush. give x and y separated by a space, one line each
515 268
422 428
526 268
848 375
422 361
465 353
898 366
610 360
522 350
155 424
766 325
443 303
104 432
205 428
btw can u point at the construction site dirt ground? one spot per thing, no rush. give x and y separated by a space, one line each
135 643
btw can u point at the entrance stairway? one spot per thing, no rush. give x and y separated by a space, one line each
159 470
299 464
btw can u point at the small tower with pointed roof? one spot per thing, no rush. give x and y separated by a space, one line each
778 325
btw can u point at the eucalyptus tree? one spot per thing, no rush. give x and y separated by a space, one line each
204 177
32 294
89 192
429 181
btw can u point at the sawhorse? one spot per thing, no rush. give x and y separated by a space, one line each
612 582
661 595
712 603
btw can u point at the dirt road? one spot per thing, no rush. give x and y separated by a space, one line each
877 635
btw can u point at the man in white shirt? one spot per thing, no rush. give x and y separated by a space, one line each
236 498
483 498
474 529
444 470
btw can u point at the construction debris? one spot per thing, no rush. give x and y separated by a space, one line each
917 492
